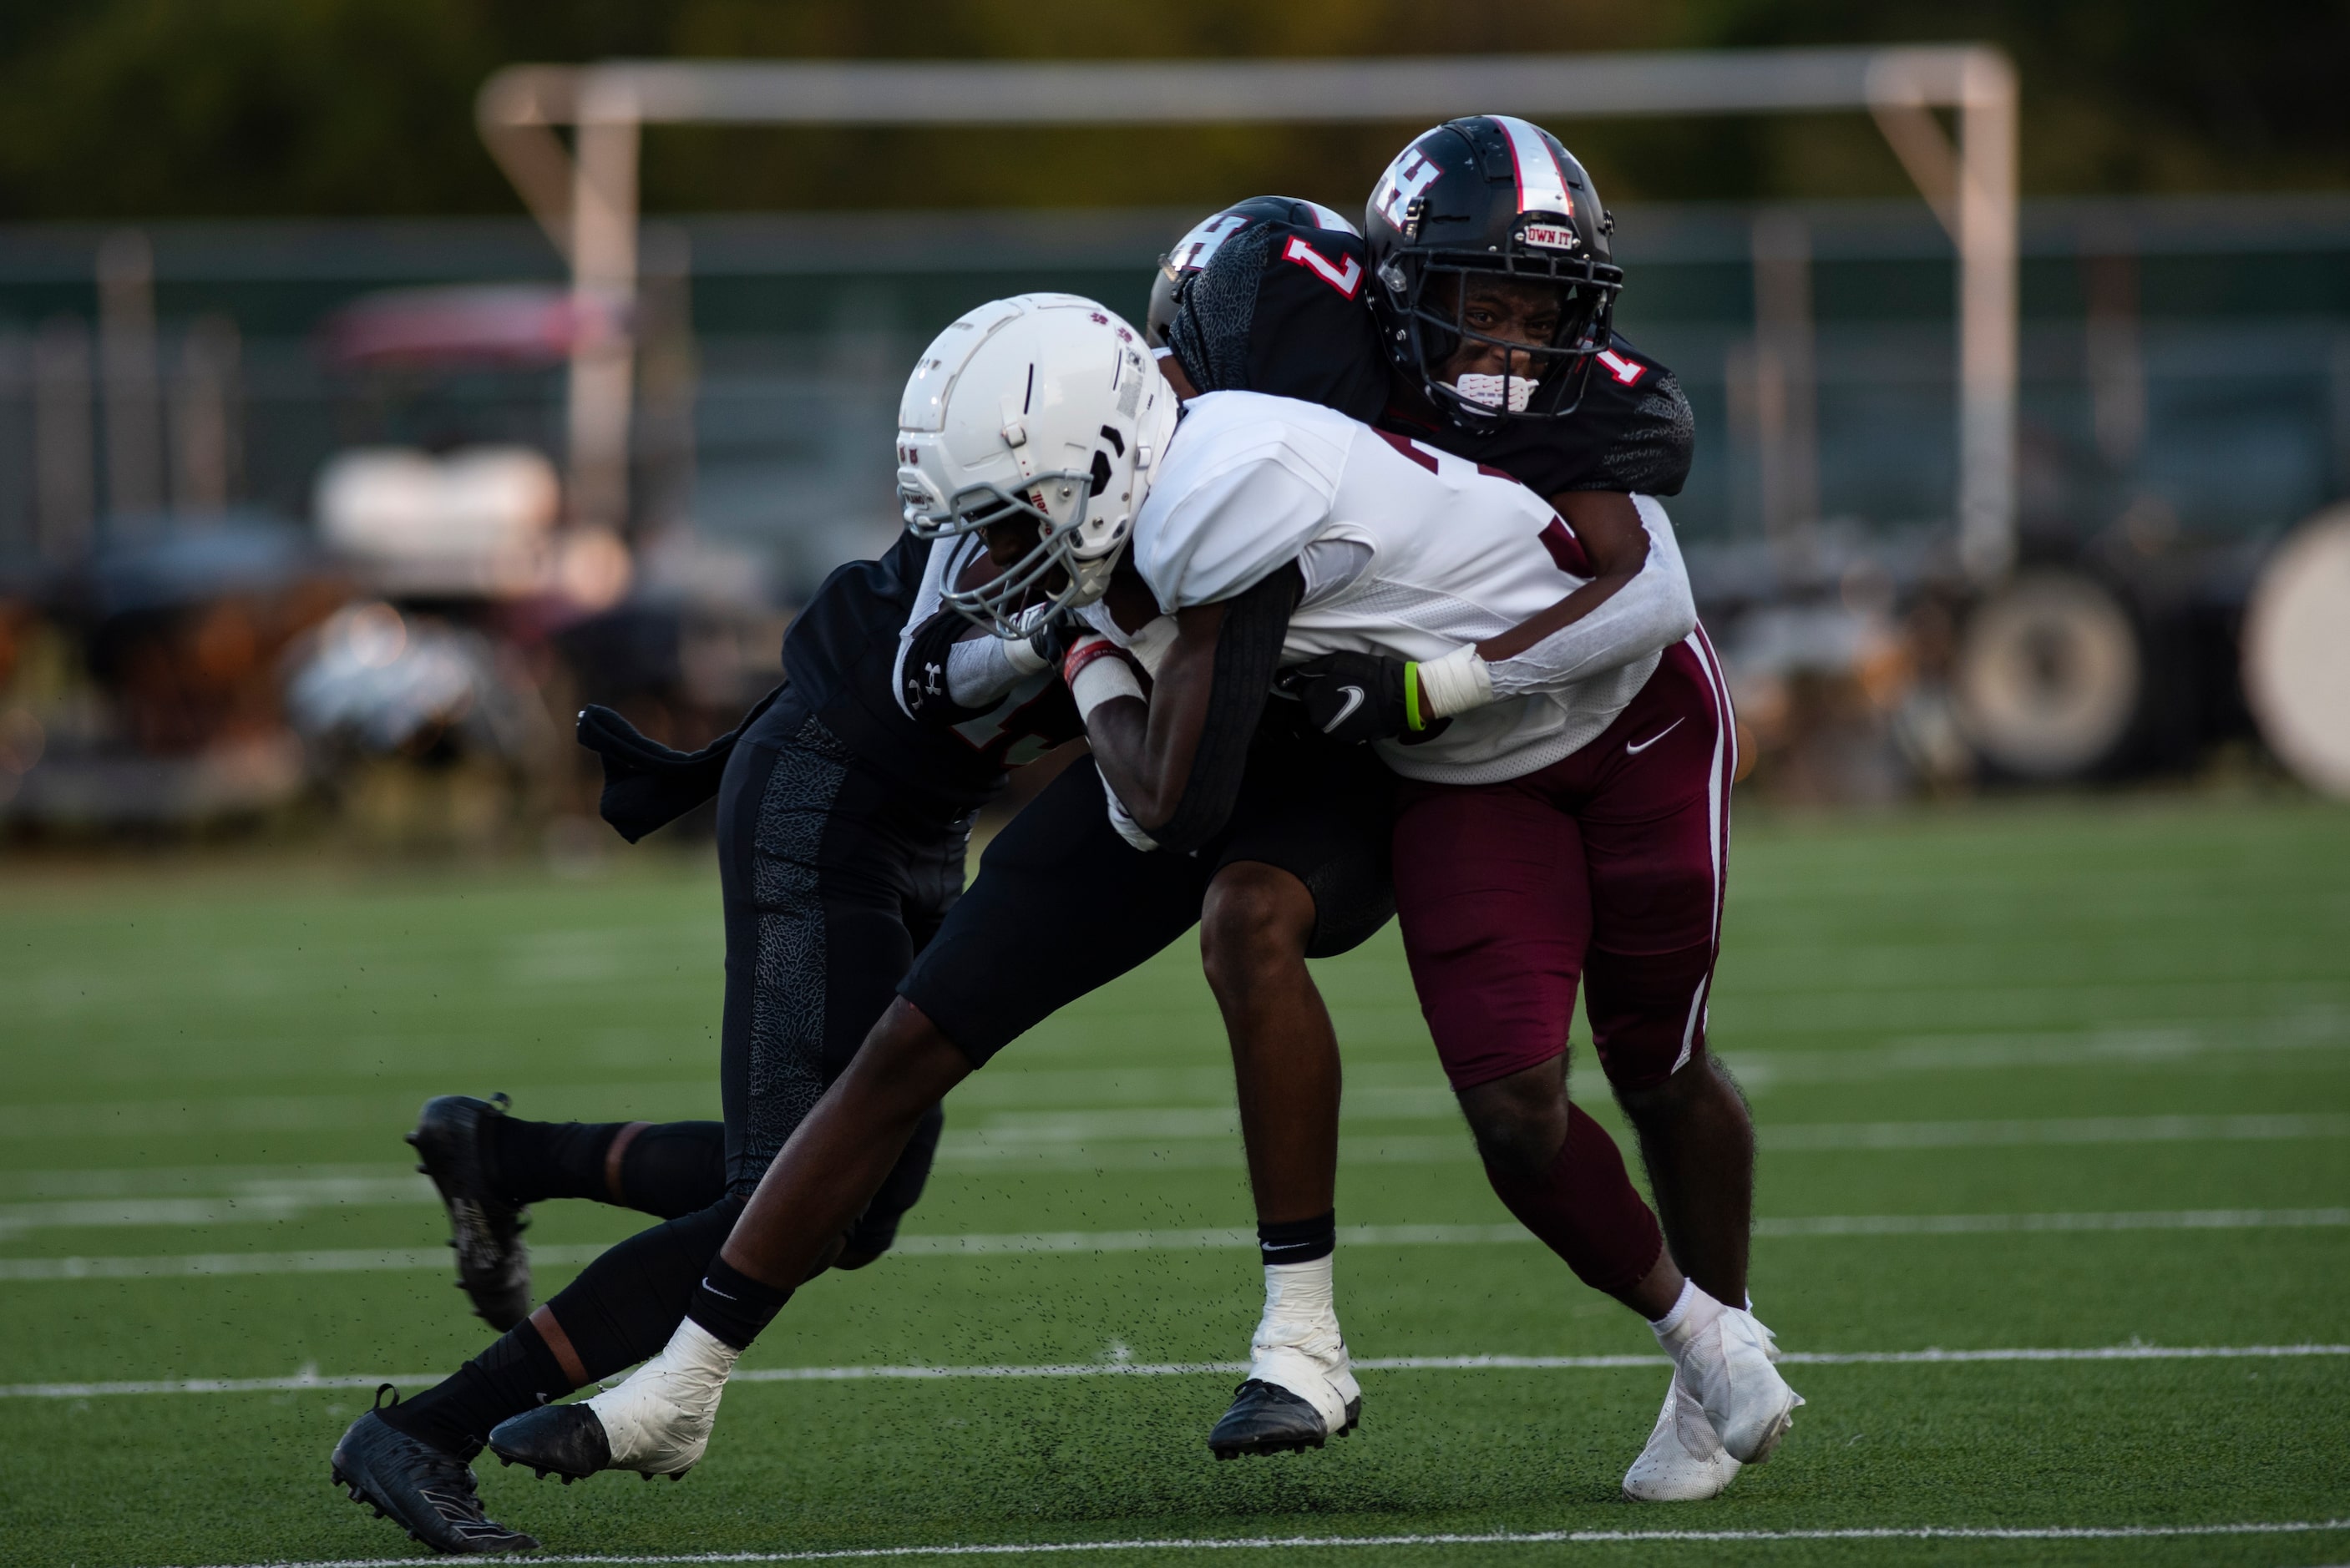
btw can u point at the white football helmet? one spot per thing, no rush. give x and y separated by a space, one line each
1044 406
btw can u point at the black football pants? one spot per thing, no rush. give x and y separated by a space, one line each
832 880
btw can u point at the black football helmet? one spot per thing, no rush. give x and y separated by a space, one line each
1193 251
1490 194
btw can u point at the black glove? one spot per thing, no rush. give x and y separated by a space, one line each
1352 698
1051 641
645 785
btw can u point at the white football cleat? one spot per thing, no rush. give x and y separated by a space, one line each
1724 1354
1684 1461
657 1423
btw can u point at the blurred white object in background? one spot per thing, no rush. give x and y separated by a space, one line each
2048 675
372 681
2297 651
475 522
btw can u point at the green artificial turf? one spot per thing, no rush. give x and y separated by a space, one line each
2079 1009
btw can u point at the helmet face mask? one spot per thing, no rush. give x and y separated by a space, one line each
1048 575
1037 423
1476 200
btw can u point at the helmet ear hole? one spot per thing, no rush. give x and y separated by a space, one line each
1101 471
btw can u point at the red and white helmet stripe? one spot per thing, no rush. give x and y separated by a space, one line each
1542 183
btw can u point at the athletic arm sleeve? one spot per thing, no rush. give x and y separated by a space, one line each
1248 651
1651 612
980 672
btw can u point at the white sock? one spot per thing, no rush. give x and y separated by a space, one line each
694 1347
1694 1309
1299 1296
1298 1345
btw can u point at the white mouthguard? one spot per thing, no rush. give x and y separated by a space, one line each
1488 390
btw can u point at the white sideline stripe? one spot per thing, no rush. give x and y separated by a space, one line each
308 1380
366 1261
1497 1537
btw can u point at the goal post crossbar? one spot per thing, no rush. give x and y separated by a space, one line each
586 194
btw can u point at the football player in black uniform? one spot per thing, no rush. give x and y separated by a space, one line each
988 969
845 801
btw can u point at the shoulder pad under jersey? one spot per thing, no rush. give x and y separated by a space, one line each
1633 432
1279 310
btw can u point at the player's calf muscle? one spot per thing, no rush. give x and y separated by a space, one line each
837 1158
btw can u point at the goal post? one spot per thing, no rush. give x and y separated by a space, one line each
586 194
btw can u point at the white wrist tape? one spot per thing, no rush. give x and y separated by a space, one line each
1455 683
1105 678
1150 645
1022 655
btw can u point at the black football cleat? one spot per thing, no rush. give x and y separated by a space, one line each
452 1146
426 1492
567 1441
1266 1418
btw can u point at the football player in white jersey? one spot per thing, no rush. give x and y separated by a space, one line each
1246 527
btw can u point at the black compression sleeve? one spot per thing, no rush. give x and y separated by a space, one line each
1248 651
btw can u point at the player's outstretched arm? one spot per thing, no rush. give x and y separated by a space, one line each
1614 542
1636 601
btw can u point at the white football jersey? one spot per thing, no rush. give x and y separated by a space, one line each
1442 553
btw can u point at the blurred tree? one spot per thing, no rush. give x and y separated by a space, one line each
157 108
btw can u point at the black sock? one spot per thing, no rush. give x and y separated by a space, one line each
624 1306
1299 1241
733 1306
516 1374
674 1169
539 1160
668 1169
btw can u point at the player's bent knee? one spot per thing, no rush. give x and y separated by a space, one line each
1664 1091
903 1031
1519 1122
1255 921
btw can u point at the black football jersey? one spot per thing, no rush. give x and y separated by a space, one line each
1633 432
1280 309
841 657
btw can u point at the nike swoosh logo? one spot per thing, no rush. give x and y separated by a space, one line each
1354 700
1632 750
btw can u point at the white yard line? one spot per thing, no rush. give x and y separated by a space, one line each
374 1261
1124 1139
1165 1138
309 1380
2323 1028
1498 1538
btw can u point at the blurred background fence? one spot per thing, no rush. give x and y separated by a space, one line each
209 430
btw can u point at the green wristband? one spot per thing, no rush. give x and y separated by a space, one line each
1411 719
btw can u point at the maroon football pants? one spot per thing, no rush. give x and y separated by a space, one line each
1609 863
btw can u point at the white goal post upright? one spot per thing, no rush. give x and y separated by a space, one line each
588 202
